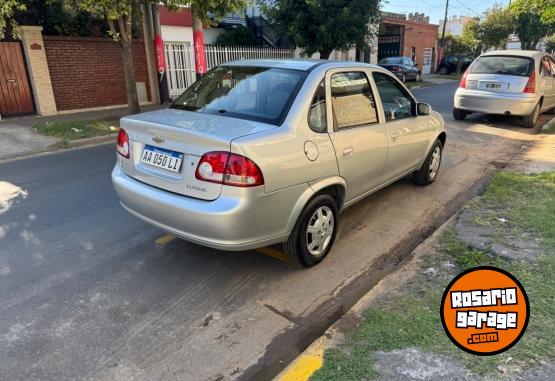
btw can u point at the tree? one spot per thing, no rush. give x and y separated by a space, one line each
534 19
325 25
458 45
496 27
7 10
471 36
240 35
120 14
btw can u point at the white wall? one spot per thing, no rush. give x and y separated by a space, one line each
177 33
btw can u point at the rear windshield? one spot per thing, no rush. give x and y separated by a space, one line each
253 93
508 65
391 60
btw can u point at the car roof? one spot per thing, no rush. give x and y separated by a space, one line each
297 64
520 53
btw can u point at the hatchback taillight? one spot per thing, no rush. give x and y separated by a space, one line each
531 84
395 68
123 143
462 85
229 169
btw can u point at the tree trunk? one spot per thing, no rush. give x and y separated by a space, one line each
129 74
325 54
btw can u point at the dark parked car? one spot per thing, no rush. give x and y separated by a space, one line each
449 64
402 67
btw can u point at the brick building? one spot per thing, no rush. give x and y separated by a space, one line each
416 39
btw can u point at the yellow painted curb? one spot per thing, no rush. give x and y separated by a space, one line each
304 366
280 256
164 239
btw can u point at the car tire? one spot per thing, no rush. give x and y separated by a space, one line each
427 174
529 121
459 114
315 216
443 70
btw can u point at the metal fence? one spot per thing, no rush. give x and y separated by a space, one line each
180 61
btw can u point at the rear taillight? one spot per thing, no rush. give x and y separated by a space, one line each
229 169
463 81
123 144
395 68
531 84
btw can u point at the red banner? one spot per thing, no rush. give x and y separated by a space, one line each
200 56
159 53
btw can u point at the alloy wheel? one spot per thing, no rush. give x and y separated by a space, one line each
320 230
435 162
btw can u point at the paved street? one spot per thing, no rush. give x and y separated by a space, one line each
87 291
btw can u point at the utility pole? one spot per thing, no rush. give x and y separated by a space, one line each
441 51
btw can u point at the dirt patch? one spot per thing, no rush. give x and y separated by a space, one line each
414 364
475 228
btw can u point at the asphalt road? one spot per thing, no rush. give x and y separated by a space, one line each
86 292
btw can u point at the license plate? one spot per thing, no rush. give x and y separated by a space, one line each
162 158
493 85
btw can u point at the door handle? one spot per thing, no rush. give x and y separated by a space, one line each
348 151
10 80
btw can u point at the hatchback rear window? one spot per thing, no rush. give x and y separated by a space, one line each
253 93
508 65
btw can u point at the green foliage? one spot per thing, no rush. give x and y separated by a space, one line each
496 27
216 8
534 19
56 20
325 25
7 10
77 129
458 45
240 35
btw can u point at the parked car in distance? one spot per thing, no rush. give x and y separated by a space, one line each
450 64
260 152
403 68
508 82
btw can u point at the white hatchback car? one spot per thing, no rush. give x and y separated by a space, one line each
508 82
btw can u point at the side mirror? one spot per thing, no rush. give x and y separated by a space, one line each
424 109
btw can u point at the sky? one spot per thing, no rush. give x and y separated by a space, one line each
436 8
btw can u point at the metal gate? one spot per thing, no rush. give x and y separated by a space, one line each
15 92
180 61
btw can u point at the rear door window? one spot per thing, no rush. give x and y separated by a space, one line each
352 100
507 65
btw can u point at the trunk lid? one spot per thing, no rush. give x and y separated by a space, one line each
188 133
496 83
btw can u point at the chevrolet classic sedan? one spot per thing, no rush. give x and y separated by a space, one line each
261 152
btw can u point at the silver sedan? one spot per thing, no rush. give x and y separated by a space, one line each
508 82
261 152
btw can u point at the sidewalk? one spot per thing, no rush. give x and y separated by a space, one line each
18 138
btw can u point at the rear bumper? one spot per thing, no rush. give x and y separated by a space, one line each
490 103
240 219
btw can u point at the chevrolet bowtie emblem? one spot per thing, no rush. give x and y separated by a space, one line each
158 139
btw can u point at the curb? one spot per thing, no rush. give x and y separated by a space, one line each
312 358
71 145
